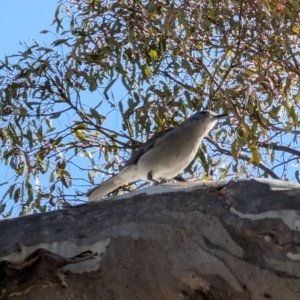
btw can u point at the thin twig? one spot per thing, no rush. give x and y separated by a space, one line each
243 157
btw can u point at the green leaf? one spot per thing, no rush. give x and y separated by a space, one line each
39 133
56 115
255 154
296 28
61 41
297 175
153 54
111 83
234 150
2 207
17 195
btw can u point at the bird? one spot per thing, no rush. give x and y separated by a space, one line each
164 155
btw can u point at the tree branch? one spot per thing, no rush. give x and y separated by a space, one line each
243 157
279 148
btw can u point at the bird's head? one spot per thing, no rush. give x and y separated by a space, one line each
206 120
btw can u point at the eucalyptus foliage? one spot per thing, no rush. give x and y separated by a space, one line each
168 58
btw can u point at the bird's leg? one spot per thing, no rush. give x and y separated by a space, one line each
150 178
177 178
180 178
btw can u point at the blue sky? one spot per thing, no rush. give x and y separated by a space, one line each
21 20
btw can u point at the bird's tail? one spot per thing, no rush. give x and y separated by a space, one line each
104 188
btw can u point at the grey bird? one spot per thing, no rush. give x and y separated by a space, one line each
164 155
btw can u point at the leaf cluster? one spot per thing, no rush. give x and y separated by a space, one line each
149 64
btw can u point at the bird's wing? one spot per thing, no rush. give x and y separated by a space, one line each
151 143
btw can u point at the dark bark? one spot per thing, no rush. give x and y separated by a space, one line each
183 241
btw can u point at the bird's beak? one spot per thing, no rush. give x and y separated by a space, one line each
221 116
